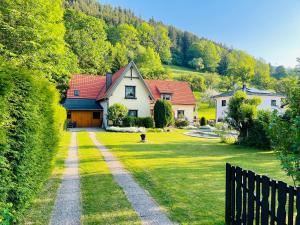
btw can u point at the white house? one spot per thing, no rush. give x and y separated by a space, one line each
89 96
269 100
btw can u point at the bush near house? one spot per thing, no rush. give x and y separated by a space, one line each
163 115
116 113
130 121
180 123
203 121
30 123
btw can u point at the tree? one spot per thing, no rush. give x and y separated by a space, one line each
241 113
196 82
163 114
208 52
240 66
288 146
162 43
148 62
284 85
32 36
197 64
116 113
87 39
146 35
280 72
119 57
261 77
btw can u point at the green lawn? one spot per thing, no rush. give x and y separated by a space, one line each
40 211
186 175
177 71
102 200
204 110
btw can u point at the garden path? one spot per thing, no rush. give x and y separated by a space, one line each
67 205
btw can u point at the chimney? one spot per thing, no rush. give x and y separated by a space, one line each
244 87
108 80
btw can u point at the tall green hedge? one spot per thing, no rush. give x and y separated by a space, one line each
30 123
163 114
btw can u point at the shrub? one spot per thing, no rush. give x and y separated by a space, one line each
181 123
203 121
30 123
147 122
129 121
163 115
116 113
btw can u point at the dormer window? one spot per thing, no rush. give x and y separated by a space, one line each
166 97
76 93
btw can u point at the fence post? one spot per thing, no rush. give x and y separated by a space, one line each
228 194
251 183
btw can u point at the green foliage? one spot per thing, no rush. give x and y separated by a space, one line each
240 65
130 121
285 135
116 113
180 123
197 64
32 35
119 57
261 74
196 82
30 124
203 121
149 64
241 113
285 85
208 52
87 38
280 72
163 114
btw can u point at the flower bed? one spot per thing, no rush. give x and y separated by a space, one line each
127 129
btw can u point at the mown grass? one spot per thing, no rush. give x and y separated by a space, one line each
39 213
102 200
204 109
177 71
186 175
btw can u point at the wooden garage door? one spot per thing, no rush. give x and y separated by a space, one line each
87 118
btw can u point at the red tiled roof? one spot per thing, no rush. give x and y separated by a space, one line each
88 86
115 77
93 87
181 91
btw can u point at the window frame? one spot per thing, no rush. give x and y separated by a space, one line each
223 102
133 110
134 88
180 110
164 95
273 100
69 115
76 92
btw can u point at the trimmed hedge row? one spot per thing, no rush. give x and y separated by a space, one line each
130 121
30 123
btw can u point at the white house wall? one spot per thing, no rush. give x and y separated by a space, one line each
221 111
141 103
188 111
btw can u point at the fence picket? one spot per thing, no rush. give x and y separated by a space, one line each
244 209
265 200
251 185
257 200
273 202
298 206
238 195
291 206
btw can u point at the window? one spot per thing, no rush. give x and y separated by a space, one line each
180 113
166 97
223 102
76 92
273 103
129 91
133 113
68 115
96 115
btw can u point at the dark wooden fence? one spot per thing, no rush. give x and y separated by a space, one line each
253 199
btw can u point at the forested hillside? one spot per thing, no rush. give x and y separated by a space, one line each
151 43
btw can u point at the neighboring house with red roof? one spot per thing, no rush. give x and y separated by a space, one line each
89 96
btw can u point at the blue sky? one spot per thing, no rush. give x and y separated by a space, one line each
269 29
